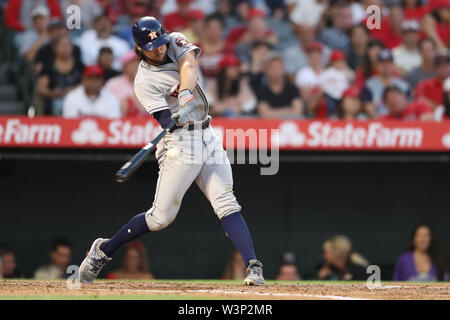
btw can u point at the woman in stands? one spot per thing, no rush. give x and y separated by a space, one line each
424 260
58 78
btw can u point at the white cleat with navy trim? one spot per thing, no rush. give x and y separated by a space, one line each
254 274
94 262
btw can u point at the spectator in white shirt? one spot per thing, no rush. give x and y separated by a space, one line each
335 79
307 78
306 12
407 55
91 99
101 36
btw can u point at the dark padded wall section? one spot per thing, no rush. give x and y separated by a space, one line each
376 204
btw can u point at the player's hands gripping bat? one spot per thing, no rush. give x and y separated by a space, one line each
138 159
187 103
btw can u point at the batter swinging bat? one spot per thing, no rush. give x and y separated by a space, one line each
138 159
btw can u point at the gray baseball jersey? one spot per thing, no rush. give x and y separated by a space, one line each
157 87
183 156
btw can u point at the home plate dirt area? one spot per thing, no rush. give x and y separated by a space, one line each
216 289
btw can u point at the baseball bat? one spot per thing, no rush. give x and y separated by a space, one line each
138 159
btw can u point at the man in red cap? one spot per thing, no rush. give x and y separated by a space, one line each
307 78
335 79
350 106
90 99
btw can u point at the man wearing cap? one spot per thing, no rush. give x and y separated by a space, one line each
167 85
307 78
372 92
90 99
431 90
295 56
33 39
407 56
400 109
335 79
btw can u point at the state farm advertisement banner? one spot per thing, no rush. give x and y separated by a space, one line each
54 132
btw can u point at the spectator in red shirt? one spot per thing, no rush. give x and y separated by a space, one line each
431 90
116 9
178 20
212 45
196 26
442 112
414 9
369 63
254 29
436 25
400 109
18 12
390 33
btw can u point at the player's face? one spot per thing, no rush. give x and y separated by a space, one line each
156 56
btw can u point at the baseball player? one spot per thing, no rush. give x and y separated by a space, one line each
167 85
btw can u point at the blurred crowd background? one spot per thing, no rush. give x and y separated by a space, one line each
423 260
261 58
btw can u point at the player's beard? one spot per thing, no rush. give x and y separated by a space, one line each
164 60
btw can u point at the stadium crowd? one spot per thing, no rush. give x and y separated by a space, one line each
272 59
423 260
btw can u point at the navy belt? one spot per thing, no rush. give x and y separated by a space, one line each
194 126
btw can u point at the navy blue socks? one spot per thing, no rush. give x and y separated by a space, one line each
236 229
136 227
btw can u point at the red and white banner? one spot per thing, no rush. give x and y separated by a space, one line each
54 132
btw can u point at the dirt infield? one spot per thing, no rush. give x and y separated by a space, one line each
31 289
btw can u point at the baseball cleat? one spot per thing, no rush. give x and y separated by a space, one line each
254 274
94 262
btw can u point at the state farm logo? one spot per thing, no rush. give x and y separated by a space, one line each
318 134
289 135
446 140
88 132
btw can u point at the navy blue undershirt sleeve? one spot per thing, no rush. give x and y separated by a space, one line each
163 117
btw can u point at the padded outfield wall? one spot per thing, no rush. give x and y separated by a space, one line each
375 203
